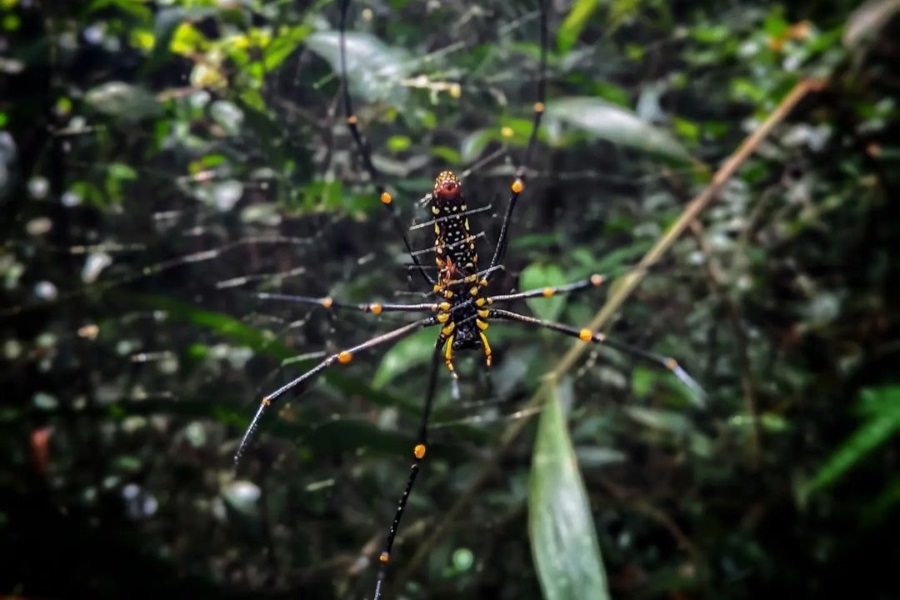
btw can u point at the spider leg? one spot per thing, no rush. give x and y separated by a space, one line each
307 379
327 302
518 185
586 335
549 292
418 456
365 151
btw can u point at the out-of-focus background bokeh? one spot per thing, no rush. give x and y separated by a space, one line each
163 163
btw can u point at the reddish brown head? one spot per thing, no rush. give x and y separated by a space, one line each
447 186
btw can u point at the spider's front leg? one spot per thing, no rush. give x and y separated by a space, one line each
305 381
419 451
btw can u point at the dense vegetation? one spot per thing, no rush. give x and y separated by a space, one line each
161 163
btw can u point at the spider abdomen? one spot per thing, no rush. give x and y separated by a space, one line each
454 243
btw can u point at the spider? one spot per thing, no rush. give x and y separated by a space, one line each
461 308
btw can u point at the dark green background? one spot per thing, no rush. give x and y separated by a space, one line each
197 151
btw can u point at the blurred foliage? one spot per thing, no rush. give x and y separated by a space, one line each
162 163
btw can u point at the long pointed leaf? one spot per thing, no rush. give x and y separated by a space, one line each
883 406
563 536
543 275
374 69
607 121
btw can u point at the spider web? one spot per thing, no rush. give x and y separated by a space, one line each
141 316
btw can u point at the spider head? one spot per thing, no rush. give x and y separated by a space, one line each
447 186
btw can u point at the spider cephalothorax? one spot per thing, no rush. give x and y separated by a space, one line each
447 187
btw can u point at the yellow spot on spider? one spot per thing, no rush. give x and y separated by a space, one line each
386 198
345 357
352 120
444 306
266 401
539 107
484 314
443 317
517 186
448 353
419 451
483 282
585 335
437 229
597 279
435 210
507 132
487 348
482 325
547 292
455 90
376 308
474 291
448 330
437 288
385 557
328 302
479 302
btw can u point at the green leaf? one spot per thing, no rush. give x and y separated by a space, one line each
603 120
136 9
661 420
283 45
399 143
611 93
563 536
226 326
474 144
574 23
622 12
263 342
404 355
539 276
642 380
770 422
882 406
446 154
118 170
614 261
124 101
375 71
165 24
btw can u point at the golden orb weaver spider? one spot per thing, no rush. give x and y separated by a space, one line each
461 307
